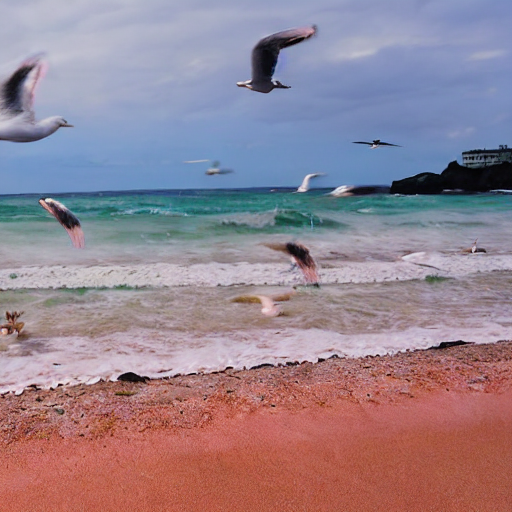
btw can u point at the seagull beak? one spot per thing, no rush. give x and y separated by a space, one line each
67 125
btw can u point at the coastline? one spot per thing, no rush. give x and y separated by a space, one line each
305 435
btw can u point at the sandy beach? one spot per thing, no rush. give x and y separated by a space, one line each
423 430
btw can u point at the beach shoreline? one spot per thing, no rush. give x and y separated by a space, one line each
429 429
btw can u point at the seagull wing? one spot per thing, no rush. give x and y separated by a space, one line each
388 144
17 92
266 51
305 182
67 219
304 261
361 142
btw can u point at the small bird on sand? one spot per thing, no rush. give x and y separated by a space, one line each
377 143
300 257
304 187
17 118
67 219
270 308
265 55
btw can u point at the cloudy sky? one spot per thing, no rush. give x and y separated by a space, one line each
151 83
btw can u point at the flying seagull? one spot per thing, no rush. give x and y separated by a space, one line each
17 118
304 187
301 258
67 219
377 143
215 169
269 306
265 54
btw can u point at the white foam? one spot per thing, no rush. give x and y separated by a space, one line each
413 266
155 355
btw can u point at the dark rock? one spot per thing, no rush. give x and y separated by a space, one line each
457 177
263 365
132 377
447 344
424 183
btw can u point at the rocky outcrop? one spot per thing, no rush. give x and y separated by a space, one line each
457 177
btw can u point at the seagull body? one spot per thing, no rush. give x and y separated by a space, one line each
269 306
17 118
304 187
377 143
265 55
67 219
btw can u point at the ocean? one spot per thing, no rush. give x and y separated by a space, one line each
152 292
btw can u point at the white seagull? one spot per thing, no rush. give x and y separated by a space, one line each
268 303
215 169
17 118
304 187
377 143
67 219
265 55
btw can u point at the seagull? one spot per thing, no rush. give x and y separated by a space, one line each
215 169
67 219
17 118
305 183
474 248
12 327
377 143
270 308
301 258
265 54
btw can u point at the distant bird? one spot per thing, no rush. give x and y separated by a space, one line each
17 118
265 55
377 143
215 169
67 219
474 248
305 183
270 308
301 258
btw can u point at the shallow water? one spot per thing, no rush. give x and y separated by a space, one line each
152 292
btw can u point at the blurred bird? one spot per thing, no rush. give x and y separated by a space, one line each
17 118
215 169
270 308
304 187
300 257
67 219
265 55
377 143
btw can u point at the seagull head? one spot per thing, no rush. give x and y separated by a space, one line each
246 84
63 123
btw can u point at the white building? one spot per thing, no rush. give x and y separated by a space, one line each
485 157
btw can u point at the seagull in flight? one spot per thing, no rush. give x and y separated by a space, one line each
268 302
301 258
265 55
377 143
17 118
67 219
215 169
304 187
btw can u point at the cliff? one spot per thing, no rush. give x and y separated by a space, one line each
457 177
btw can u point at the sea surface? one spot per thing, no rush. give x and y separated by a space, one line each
153 290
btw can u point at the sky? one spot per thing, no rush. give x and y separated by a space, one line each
149 84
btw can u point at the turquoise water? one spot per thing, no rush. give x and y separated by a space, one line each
152 290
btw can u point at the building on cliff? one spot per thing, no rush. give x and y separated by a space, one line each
485 157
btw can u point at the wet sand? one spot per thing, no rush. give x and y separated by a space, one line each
425 430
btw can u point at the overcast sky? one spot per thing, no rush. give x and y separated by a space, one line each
151 83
